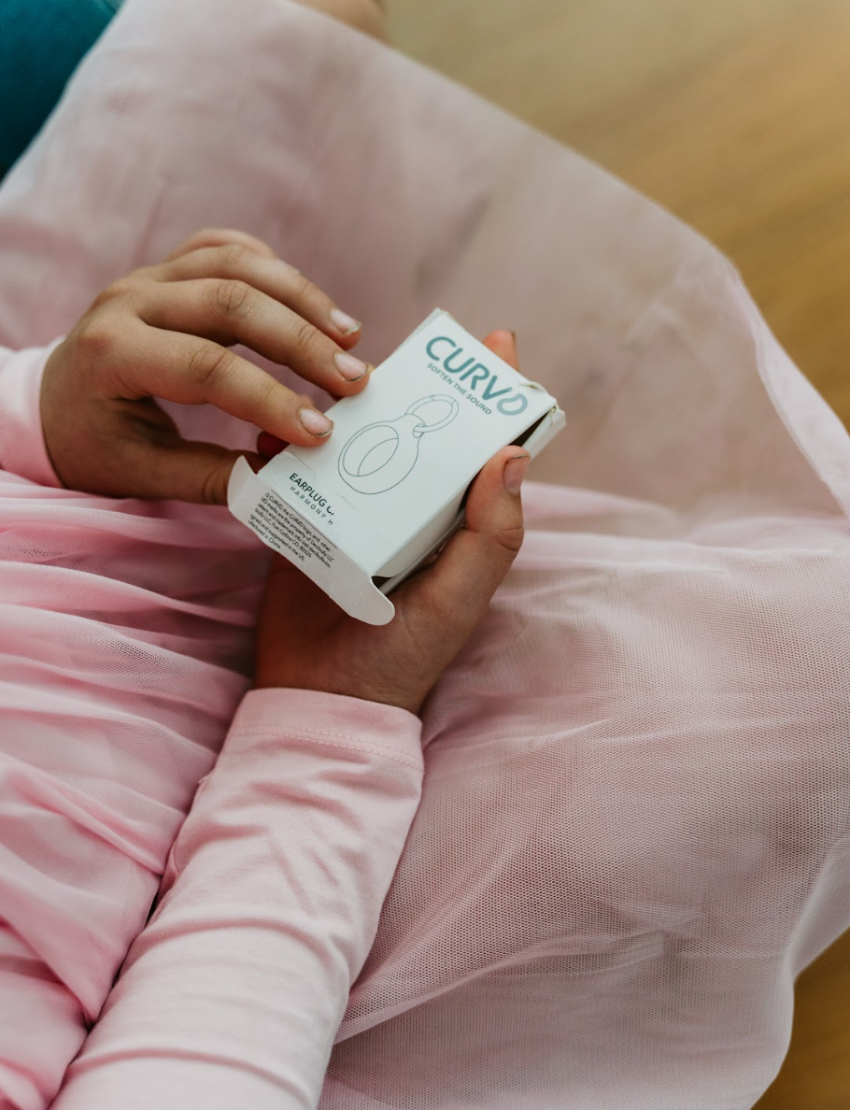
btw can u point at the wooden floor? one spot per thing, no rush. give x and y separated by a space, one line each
735 114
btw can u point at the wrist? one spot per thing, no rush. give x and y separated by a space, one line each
23 449
407 701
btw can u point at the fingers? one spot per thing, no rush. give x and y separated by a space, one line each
481 554
239 262
218 237
194 371
503 344
231 311
223 287
455 592
137 451
188 471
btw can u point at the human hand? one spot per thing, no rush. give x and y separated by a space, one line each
164 332
305 641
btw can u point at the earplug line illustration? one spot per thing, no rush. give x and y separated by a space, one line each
380 456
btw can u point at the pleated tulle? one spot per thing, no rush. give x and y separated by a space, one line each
634 829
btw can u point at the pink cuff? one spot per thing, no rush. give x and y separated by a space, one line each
22 447
326 718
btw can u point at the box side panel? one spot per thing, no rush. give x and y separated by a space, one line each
286 531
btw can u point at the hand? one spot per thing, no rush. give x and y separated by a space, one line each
164 332
306 642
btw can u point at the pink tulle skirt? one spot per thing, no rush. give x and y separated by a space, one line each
634 830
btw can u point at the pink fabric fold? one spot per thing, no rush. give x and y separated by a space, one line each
634 824
268 908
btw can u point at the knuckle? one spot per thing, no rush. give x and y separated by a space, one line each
214 486
510 539
208 365
123 288
230 298
233 257
303 337
95 336
272 394
302 287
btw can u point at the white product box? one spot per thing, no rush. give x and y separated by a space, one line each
361 512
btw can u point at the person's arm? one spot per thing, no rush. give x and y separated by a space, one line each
233 994
167 333
22 447
85 412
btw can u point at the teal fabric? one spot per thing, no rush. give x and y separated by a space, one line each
41 42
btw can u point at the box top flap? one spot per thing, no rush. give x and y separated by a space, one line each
286 531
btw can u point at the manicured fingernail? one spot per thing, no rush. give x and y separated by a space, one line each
514 473
351 368
345 323
316 423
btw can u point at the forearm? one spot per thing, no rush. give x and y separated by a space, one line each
234 992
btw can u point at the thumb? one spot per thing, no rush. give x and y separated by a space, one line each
457 589
186 471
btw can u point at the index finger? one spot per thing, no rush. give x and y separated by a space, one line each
272 276
195 371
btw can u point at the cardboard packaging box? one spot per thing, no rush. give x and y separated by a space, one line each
361 512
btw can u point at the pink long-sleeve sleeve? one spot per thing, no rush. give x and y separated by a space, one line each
232 995
22 447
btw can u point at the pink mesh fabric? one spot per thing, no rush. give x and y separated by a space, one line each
634 829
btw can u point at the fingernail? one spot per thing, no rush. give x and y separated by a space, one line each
514 473
351 368
316 423
345 323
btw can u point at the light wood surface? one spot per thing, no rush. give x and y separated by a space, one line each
735 114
